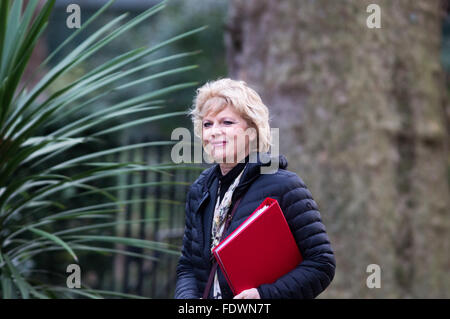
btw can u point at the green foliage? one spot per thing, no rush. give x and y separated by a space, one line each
39 160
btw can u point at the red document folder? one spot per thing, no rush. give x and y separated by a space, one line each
260 250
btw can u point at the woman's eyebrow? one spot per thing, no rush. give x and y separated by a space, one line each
221 119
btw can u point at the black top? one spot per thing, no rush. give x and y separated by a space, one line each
307 280
228 179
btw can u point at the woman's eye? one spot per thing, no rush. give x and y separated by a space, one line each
206 124
228 122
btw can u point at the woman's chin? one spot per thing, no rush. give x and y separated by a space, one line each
221 157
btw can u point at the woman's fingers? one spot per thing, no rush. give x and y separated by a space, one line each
251 293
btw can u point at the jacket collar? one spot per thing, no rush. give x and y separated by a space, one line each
251 171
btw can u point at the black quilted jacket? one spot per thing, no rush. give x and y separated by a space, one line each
307 280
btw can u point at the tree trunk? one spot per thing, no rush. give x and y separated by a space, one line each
361 114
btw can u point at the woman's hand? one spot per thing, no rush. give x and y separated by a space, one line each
251 293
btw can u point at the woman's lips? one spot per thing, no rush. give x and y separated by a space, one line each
219 144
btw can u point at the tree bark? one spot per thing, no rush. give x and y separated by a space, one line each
361 114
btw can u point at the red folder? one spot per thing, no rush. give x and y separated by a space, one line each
260 250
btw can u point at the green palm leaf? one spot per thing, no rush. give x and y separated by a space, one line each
41 174
54 238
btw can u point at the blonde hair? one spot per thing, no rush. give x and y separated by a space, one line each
216 95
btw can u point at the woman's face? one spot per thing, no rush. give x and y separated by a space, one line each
223 136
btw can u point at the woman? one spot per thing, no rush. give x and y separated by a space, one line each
225 111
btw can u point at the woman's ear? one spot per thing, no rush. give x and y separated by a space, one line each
253 134
252 138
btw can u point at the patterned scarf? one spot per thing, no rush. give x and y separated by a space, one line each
220 216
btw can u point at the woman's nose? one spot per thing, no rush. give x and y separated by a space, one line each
215 130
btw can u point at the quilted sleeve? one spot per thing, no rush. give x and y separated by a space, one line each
315 273
186 286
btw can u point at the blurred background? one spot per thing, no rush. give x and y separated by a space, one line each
364 120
